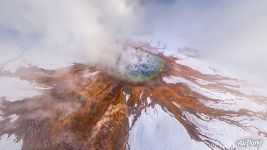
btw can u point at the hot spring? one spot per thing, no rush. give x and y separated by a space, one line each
137 66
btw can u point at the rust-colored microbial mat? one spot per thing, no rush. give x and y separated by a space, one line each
83 107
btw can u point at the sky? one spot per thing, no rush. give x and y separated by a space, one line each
230 33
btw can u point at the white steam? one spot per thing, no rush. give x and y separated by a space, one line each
91 28
230 33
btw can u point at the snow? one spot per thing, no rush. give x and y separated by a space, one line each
127 96
148 100
15 89
9 142
198 65
197 88
157 130
228 100
226 133
90 74
13 118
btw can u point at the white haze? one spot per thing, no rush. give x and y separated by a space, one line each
91 28
230 33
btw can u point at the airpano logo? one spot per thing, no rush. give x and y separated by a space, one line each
249 143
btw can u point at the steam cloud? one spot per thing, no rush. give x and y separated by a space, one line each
92 28
222 30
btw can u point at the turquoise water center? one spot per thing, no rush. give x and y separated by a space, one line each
138 66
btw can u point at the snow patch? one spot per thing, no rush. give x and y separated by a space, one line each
10 142
90 74
157 130
13 89
229 101
13 118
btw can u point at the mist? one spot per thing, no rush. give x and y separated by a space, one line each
228 34
232 34
92 29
